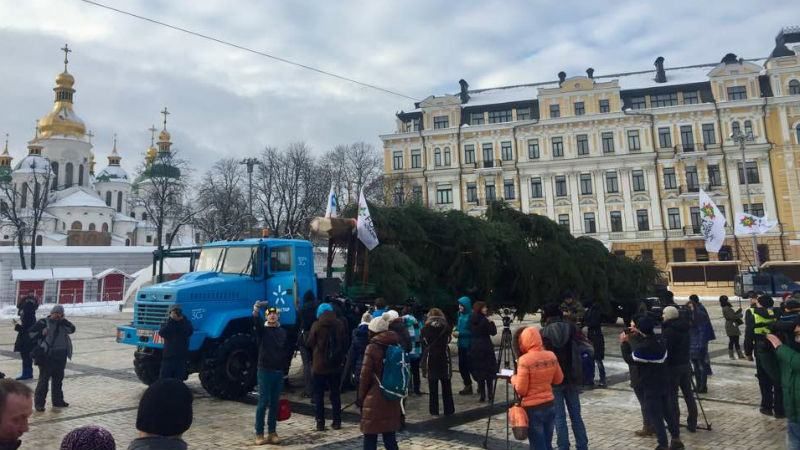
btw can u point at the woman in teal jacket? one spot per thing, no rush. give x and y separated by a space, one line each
464 337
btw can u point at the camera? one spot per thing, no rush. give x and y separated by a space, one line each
507 318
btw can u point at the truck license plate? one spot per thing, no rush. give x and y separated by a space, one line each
144 333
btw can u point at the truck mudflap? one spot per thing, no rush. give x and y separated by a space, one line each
149 337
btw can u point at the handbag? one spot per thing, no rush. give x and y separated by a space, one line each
284 410
518 420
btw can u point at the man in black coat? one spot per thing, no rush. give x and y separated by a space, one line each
675 333
272 351
308 314
175 332
27 312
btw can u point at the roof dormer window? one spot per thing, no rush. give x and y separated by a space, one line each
737 93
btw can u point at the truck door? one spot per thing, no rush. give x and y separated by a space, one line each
280 282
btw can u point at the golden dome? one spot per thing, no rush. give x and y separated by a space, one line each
65 80
164 136
62 120
150 155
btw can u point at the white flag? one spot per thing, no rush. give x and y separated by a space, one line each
330 210
365 227
713 225
750 224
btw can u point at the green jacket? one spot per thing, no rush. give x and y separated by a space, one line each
789 361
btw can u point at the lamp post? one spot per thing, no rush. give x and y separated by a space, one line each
741 139
250 163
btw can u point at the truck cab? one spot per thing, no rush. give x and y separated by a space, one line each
218 297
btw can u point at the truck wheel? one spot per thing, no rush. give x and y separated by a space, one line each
147 368
230 372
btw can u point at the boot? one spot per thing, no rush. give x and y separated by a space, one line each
676 444
645 432
337 424
740 354
273 439
466 391
320 425
260 439
730 354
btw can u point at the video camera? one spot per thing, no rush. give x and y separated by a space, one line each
507 315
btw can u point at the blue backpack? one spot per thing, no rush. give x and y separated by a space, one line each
396 374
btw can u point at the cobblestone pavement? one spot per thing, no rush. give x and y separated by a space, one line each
102 389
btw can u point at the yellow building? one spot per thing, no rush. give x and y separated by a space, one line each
619 157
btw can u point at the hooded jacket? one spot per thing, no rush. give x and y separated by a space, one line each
537 370
378 415
436 349
675 334
462 326
698 333
318 339
649 355
558 336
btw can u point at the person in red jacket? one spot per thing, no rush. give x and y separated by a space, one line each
537 371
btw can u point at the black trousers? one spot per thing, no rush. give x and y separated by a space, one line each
771 392
681 378
52 369
733 342
655 406
416 382
447 396
321 382
173 368
463 366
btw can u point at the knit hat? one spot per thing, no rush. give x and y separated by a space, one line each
57 309
380 324
322 308
366 318
392 315
646 325
90 437
165 408
791 304
670 313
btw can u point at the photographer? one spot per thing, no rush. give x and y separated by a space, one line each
175 332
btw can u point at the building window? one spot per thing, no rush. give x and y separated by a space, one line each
583 144
670 181
149 239
54 166
714 175
700 254
533 149
561 186
469 154
763 252
416 194
709 136
558 147
500 116
642 220
604 107
637 178
725 253
555 111
508 190
638 103
797 133
757 209
737 93
794 87
752 173
80 175
447 157
687 138
748 128
441 122
579 109
412 125
616 221
692 180
144 216
694 215
397 161
491 194
437 157
488 155
612 183
119 202
735 128
563 219
586 184
647 254
416 159
476 118
472 192
589 226
607 138
690 98
721 209
68 175
444 195
664 138
399 196
536 188
634 144
108 198
505 151
674 218
678 255
523 113
661 100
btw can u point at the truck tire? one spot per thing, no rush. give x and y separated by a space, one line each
230 372
147 368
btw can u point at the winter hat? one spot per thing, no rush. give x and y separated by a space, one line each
646 325
670 313
58 309
791 304
322 308
366 318
392 315
165 408
379 324
552 310
90 437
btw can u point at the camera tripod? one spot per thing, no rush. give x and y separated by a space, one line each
699 402
504 358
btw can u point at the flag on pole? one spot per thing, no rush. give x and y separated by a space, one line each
365 227
330 210
750 224
713 223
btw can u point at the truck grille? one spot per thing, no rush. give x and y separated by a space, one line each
149 314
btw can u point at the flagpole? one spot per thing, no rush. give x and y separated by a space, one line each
737 136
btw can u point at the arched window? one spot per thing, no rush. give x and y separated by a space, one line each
92 227
77 225
23 203
119 201
36 192
447 156
127 242
748 128
144 216
105 227
108 198
735 127
133 214
54 166
68 175
80 175
39 240
437 157
794 87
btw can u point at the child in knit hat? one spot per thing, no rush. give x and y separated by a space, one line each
89 437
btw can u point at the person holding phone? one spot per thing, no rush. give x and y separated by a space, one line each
175 332
271 339
26 308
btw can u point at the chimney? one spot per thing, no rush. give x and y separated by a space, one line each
661 75
730 58
464 89
561 77
590 72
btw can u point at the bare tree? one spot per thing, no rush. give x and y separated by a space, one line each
351 167
222 209
23 205
392 190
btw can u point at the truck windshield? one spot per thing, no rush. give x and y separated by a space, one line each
239 260
209 259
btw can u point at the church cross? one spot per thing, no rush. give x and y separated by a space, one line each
165 113
90 135
152 130
66 51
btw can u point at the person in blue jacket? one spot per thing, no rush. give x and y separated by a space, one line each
464 336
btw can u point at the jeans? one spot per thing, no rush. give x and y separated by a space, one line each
792 435
680 378
655 405
601 369
463 366
27 364
389 441
540 427
447 396
173 368
51 369
329 381
640 398
567 399
700 374
270 384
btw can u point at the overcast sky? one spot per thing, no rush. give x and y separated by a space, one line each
226 102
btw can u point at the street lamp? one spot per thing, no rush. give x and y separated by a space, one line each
741 139
250 163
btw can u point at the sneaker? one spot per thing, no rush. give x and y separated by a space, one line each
40 408
676 444
765 411
272 438
466 391
644 432
260 439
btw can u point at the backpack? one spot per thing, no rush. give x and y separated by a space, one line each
396 374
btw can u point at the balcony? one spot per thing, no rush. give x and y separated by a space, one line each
691 230
692 189
676 233
695 150
489 167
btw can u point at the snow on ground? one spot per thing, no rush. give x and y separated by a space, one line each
78 309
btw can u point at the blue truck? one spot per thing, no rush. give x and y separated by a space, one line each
218 297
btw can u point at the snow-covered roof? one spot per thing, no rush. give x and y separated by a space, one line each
123 218
32 163
112 173
80 198
507 94
31 274
110 271
72 273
